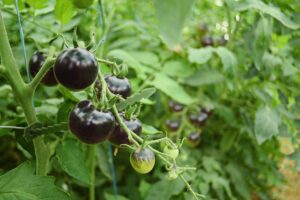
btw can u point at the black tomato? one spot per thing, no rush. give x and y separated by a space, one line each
142 160
119 136
35 63
119 86
207 41
76 68
175 107
194 139
208 111
172 124
198 119
90 125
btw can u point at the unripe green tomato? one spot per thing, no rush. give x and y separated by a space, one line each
142 160
82 3
172 152
172 175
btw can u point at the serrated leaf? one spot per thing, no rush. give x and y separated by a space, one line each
267 124
171 15
163 190
64 10
172 88
146 93
200 56
103 160
204 77
177 68
21 184
227 57
129 59
268 9
73 160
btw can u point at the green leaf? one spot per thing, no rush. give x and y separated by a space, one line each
64 110
149 130
268 9
146 93
296 156
146 57
21 184
177 68
113 197
129 59
171 88
163 190
37 4
200 56
103 160
227 57
204 77
171 15
73 160
64 10
239 177
267 124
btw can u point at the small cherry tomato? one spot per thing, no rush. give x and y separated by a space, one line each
142 160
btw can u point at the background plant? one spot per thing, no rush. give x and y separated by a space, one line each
251 83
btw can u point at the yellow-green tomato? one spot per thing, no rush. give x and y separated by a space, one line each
142 160
82 3
171 151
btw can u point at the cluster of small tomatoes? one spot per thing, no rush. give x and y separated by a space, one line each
207 39
197 119
77 69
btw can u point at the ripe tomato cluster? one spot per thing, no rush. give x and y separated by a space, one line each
197 119
207 39
88 123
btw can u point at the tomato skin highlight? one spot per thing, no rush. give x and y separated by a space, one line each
142 160
119 136
119 86
194 139
90 125
175 107
35 63
76 68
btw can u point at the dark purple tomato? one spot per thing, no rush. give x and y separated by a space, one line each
194 139
119 136
76 68
89 124
175 107
173 124
207 41
35 63
119 86
208 111
198 119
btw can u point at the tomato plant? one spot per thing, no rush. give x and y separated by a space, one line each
154 100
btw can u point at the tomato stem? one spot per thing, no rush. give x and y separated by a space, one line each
24 95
